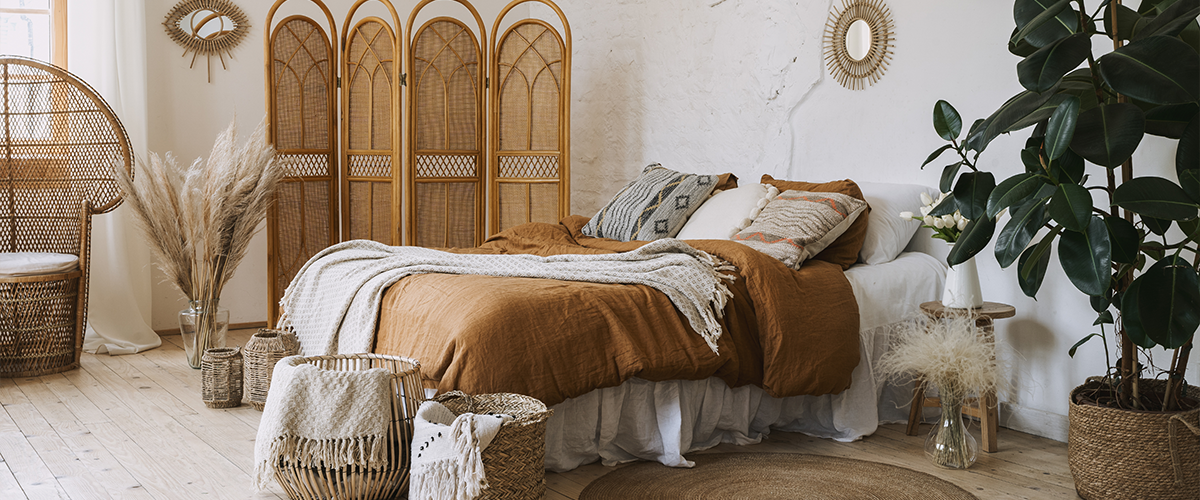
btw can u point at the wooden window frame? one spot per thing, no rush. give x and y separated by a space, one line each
58 28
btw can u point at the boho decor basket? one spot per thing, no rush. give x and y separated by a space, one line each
356 483
221 377
1117 453
515 461
262 351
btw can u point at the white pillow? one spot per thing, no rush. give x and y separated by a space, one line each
887 233
34 263
727 212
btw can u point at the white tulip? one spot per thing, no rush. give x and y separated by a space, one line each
926 209
948 220
925 199
962 224
938 223
906 215
957 216
930 220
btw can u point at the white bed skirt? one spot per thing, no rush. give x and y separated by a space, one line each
662 421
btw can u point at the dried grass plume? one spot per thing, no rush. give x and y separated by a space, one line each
950 353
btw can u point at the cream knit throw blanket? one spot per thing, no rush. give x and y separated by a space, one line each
447 453
323 418
333 302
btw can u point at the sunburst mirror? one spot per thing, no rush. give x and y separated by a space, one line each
208 28
858 42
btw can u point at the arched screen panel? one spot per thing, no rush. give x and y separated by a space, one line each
531 173
447 129
370 133
300 86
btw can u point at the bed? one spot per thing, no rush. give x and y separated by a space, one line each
629 380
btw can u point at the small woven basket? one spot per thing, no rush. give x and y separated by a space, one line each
1117 453
262 351
514 463
357 483
221 377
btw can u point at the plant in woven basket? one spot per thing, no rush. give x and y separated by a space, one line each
953 354
199 219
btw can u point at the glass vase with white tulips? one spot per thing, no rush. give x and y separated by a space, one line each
946 227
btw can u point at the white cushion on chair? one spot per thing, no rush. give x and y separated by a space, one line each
35 263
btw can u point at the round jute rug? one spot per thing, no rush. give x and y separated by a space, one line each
771 475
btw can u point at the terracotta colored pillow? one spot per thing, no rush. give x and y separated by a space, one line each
725 182
843 251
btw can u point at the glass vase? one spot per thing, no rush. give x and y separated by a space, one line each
949 444
202 325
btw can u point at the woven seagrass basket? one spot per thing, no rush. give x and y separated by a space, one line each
357 483
265 348
221 377
1134 454
515 462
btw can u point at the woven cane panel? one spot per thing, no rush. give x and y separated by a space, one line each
443 166
300 66
530 63
431 214
460 224
544 207
305 165
370 166
371 211
37 326
360 210
369 66
529 166
446 75
514 204
381 213
303 214
446 214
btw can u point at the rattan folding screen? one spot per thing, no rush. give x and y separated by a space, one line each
421 166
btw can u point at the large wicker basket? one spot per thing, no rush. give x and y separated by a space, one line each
355 483
514 462
1134 454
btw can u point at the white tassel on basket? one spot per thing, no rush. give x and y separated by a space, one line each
447 453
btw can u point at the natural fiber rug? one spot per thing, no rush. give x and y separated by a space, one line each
771 475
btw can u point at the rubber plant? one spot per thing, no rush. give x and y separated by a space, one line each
1088 115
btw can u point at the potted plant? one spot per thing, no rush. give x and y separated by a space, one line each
1134 249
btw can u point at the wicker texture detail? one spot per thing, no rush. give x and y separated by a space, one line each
61 141
1128 454
370 166
262 351
221 377
446 166
515 461
302 483
446 214
300 89
529 166
370 114
522 202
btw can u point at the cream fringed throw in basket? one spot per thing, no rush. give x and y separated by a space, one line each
323 418
333 302
447 452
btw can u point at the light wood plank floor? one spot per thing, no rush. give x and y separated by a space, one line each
135 427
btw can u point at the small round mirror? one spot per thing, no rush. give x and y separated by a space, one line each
207 24
858 40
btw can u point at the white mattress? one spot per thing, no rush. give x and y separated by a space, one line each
662 421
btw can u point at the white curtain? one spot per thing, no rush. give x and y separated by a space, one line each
106 47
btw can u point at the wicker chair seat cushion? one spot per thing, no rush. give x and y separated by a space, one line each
653 206
797 225
14 264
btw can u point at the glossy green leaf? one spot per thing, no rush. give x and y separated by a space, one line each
1191 228
1029 157
1011 113
1043 21
1157 226
1039 115
1103 318
946 207
948 175
1131 316
1067 168
1022 48
1071 351
1124 239
1013 191
1100 303
1187 158
1172 20
1032 266
946 121
973 239
1170 120
1157 69
1129 22
1086 257
1041 70
1108 134
1071 207
1169 302
936 153
1061 127
975 126
1019 231
971 193
1157 197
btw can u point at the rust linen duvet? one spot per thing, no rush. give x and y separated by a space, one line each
789 332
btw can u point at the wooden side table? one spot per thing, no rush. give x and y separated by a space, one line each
983 407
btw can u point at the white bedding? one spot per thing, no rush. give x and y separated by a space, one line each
662 421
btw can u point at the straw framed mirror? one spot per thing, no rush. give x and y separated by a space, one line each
207 27
858 42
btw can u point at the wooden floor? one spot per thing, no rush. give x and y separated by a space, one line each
135 427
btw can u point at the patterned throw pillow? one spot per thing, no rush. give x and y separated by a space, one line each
797 225
653 206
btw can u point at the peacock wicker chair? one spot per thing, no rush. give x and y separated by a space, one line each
60 144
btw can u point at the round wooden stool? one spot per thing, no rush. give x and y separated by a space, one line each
983 407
